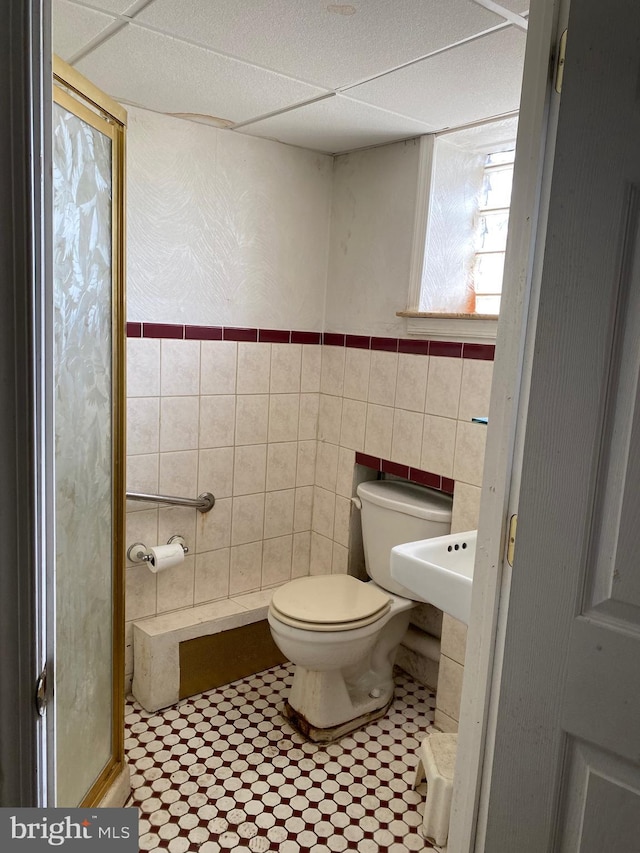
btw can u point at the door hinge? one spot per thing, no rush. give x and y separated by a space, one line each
562 50
511 540
41 692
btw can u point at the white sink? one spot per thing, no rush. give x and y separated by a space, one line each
438 571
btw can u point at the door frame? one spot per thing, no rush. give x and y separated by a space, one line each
25 66
505 438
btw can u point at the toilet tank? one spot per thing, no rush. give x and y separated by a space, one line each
394 512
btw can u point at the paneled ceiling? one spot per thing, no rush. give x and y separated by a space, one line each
332 77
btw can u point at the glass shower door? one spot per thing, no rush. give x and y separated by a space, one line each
88 453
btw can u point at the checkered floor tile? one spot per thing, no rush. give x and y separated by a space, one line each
224 771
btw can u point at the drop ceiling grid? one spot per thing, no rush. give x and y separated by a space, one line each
76 26
306 42
179 57
114 7
168 75
335 125
477 80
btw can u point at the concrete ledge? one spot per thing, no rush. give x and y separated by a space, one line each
436 763
156 641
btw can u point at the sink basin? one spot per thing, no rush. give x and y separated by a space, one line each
438 571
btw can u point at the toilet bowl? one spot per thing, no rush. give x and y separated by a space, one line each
342 633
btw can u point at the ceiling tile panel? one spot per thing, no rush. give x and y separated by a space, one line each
335 125
117 7
330 45
517 6
168 75
476 80
75 26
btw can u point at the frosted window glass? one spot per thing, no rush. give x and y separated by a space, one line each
83 453
449 249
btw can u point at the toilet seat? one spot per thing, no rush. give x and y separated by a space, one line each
329 603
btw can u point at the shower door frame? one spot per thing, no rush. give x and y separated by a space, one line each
78 95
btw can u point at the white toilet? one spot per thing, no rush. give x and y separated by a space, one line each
342 633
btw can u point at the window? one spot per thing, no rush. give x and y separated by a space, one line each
491 232
460 231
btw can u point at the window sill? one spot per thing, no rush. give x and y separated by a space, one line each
468 328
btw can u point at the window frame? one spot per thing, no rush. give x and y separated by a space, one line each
459 326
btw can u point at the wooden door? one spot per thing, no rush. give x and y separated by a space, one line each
566 763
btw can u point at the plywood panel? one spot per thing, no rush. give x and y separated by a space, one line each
217 659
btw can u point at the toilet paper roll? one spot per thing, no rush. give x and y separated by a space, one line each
165 556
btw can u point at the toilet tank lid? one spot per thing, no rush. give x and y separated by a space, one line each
408 498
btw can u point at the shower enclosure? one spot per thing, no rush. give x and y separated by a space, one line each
87 423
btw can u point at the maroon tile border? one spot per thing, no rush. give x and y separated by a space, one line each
274 336
450 349
414 347
331 339
485 352
395 468
306 337
203 333
368 461
448 485
233 334
162 330
423 478
358 341
385 344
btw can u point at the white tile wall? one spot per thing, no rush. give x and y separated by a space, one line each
356 373
272 430
383 378
281 466
311 364
218 367
143 425
180 368
411 385
179 422
217 421
354 419
286 363
443 387
251 419
332 371
303 508
254 364
212 575
143 367
327 466
406 443
178 473
379 431
438 444
279 513
301 554
250 469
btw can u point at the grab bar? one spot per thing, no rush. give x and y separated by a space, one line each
203 503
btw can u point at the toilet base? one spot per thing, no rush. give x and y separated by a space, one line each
331 733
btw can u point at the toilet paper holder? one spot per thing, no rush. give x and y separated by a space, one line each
139 553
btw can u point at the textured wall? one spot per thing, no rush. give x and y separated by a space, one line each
372 213
224 229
